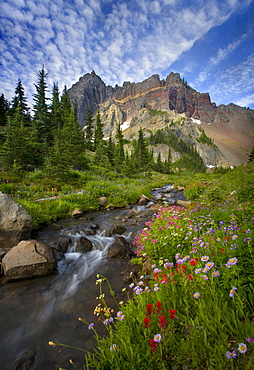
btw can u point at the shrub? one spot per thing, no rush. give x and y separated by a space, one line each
194 190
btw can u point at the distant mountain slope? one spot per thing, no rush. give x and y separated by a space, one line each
155 103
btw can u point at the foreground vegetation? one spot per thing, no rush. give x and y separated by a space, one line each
47 200
192 307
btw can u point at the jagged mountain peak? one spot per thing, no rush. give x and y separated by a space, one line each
230 126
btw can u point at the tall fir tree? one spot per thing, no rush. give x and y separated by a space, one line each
141 151
111 150
66 108
168 162
19 102
251 156
119 148
41 112
18 146
89 130
56 110
98 132
4 108
68 151
158 166
22 100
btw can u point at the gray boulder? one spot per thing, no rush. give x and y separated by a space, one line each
183 203
83 245
116 229
28 259
60 244
103 201
132 213
119 248
15 223
143 201
77 213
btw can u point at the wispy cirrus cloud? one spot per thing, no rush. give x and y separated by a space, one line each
120 40
221 55
233 81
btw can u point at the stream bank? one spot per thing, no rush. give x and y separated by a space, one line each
36 311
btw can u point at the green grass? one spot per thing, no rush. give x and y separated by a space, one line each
183 313
82 191
194 309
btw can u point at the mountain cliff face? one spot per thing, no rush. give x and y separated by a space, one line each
133 106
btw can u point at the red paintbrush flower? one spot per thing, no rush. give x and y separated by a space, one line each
149 309
146 322
162 322
172 313
153 345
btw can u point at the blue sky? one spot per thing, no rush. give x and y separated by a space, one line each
210 43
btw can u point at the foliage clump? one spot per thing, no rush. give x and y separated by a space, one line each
194 308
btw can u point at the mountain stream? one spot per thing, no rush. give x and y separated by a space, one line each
36 311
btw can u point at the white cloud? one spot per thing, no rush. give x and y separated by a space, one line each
247 101
169 2
221 55
155 7
229 86
37 9
133 40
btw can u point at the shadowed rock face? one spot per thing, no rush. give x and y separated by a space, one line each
170 94
15 222
230 126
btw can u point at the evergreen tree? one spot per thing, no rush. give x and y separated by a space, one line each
111 150
98 133
19 102
68 151
168 163
72 135
100 147
40 108
22 100
55 110
158 166
17 148
119 149
4 108
141 151
251 156
66 108
89 130
130 165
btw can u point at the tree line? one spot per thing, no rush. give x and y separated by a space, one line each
52 140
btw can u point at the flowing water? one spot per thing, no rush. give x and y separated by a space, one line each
36 311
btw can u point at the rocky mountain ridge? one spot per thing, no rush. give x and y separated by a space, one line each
155 103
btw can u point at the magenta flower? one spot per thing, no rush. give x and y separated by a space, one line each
250 340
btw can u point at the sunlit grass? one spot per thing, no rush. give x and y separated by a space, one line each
194 308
